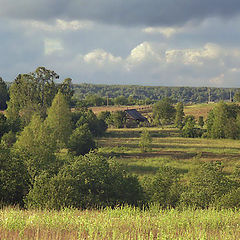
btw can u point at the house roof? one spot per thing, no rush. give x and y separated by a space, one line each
136 115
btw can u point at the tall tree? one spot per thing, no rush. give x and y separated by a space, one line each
31 93
3 94
59 120
35 147
164 112
66 88
179 115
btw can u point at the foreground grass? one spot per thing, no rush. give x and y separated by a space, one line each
120 223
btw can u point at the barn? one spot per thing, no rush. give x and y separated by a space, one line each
134 118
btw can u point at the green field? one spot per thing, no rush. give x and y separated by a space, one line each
168 148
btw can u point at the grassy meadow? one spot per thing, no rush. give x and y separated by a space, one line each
168 148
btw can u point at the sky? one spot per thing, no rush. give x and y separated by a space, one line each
134 42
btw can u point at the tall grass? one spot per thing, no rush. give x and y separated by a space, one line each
120 223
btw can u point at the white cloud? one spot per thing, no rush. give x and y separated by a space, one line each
52 45
143 52
101 57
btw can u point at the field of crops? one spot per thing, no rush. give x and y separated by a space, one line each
121 223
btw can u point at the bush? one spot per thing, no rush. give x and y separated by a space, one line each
81 141
164 187
85 182
207 186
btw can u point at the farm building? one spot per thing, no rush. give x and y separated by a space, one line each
133 118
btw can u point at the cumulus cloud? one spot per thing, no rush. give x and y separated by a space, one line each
134 12
101 57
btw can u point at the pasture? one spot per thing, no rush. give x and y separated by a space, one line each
168 148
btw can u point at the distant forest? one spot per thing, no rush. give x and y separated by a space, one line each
183 94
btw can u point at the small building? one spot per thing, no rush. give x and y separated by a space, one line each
134 118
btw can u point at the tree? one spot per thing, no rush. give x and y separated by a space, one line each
66 88
81 141
13 177
179 115
164 187
85 182
4 96
200 121
145 141
207 185
59 120
117 119
163 112
31 93
223 121
3 124
36 148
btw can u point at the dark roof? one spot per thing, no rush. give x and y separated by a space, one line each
136 115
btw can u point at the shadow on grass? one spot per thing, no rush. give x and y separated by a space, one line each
138 169
136 134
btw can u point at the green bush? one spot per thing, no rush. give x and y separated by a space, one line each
164 187
81 140
85 182
207 186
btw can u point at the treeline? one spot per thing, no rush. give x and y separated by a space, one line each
133 94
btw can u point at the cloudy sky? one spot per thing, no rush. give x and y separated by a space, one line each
145 42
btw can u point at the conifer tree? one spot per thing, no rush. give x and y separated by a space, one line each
59 120
179 115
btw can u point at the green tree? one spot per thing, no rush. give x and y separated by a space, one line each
163 112
66 88
223 121
117 119
164 187
207 186
81 141
31 93
200 121
85 182
36 148
145 141
179 115
4 96
59 120
13 177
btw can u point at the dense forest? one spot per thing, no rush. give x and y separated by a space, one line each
149 93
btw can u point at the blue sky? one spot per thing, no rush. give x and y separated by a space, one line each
146 42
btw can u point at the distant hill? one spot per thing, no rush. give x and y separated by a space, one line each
184 94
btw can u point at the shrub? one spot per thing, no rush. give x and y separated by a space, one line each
164 187
206 186
85 182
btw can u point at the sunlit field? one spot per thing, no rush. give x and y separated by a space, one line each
168 148
121 223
